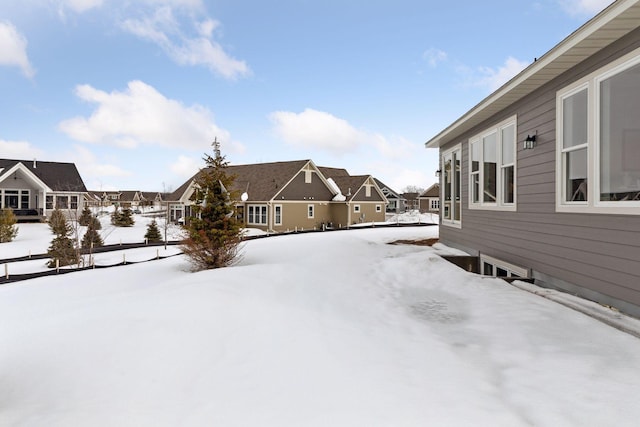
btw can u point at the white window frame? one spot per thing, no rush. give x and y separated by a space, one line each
277 214
356 208
593 203
511 269
378 208
434 204
500 204
451 222
311 209
255 215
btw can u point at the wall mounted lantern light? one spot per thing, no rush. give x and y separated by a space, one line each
530 142
438 172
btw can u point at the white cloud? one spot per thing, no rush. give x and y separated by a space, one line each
19 150
434 57
91 167
584 7
164 30
494 78
13 49
186 167
81 6
142 115
187 4
317 130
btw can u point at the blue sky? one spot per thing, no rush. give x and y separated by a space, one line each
134 91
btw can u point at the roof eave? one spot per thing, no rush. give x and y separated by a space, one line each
600 31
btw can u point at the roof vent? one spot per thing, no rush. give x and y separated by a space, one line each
35 164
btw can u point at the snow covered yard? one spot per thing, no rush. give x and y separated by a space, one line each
322 329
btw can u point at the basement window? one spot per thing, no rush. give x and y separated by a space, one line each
490 266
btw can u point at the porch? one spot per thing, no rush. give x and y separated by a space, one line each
29 215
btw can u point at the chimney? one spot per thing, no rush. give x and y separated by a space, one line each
35 165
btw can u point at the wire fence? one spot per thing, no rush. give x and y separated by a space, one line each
7 277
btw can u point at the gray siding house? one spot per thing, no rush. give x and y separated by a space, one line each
542 178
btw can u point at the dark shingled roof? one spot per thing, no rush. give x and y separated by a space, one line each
433 191
261 181
333 172
350 183
58 176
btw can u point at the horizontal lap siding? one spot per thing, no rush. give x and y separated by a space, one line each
599 252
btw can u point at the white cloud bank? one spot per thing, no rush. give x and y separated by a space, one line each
317 130
165 30
186 167
13 49
313 129
142 115
19 150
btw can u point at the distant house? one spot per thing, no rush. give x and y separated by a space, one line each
363 201
293 195
541 179
429 199
396 203
33 189
411 202
132 199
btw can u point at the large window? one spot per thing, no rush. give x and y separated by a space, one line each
598 149
492 163
451 209
257 214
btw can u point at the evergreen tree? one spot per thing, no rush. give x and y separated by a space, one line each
122 218
62 247
59 224
91 236
153 232
85 216
8 229
63 250
213 234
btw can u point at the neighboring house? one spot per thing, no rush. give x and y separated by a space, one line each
542 178
395 201
293 195
152 199
132 199
363 201
411 202
429 199
34 188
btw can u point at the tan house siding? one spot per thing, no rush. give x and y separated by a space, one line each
367 213
295 216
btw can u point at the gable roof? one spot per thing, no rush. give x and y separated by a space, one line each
383 186
433 191
58 176
262 181
617 20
